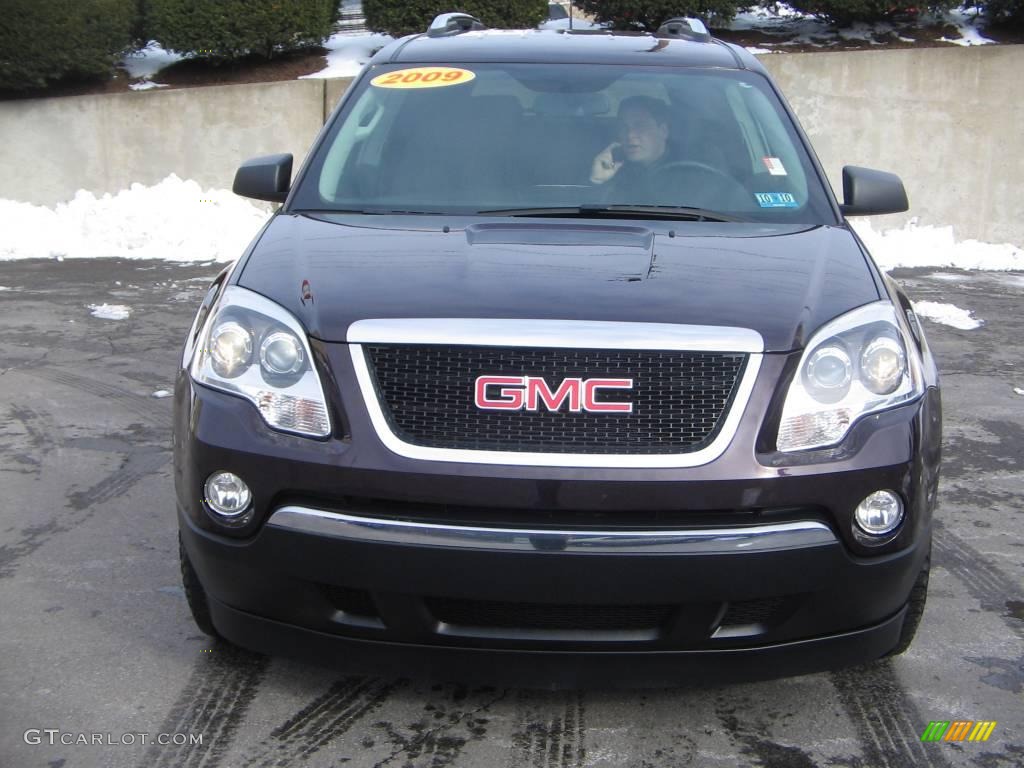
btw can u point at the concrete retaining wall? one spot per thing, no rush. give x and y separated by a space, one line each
49 148
950 121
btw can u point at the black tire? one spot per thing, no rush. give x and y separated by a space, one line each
915 610
195 594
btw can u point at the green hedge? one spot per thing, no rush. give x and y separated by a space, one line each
232 29
844 12
406 17
649 14
42 41
1001 12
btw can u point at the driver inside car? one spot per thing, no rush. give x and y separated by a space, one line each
646 166
630 164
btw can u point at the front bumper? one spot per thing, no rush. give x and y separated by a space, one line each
743 603
315 575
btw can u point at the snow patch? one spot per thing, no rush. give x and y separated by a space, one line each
347 54
110 311
161 393
965 22
809 31
927 246
174 220
760 51
146 85
148 61
5 288
947 314
1018 390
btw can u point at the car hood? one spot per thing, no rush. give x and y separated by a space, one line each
333 270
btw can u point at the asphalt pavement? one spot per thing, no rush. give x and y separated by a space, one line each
99 658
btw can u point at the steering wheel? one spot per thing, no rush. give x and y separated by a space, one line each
729 186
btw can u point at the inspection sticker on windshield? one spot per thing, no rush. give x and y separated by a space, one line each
774 166
423 77
776 200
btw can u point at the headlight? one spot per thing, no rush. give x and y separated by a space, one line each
858 364
254 348
230 349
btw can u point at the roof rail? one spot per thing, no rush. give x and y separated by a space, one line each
685 27
453 24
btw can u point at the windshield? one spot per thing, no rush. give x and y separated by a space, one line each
542 139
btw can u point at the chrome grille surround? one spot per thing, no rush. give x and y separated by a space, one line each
555 334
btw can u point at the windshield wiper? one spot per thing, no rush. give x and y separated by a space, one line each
587 211
371 211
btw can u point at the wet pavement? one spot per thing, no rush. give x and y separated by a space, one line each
96 643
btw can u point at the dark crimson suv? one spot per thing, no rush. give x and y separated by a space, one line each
559 350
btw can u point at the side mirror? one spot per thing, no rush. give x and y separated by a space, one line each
264 178
867 192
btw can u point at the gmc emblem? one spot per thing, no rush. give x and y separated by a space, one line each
519 393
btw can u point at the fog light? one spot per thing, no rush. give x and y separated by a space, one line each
880 513
227 495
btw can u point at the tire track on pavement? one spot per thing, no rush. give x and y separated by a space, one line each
134 468
439 743
323 720
749 734
551 730
985 582
150 409
213 703
888 723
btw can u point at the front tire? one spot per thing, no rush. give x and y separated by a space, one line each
195 594
915 610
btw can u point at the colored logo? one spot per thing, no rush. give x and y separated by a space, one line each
518 393
958 730
423 77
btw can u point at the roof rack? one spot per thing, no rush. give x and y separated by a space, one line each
686 27
453 24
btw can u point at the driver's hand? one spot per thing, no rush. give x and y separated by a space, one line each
605 167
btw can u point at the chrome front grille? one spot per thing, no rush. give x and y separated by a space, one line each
678 399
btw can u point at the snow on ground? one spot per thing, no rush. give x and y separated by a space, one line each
347 53
927 246
174 220
110 311
965 23
177 220
947 314
161 393
817 33
143 64
145 85
4 288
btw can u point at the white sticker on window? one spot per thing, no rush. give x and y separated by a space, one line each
774 166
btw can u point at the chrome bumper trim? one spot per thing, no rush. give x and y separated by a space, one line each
752 538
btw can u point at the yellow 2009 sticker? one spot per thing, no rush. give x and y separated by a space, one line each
423 77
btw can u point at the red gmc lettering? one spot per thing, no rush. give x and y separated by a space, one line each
514 393
537 389
590 403
508 399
